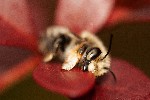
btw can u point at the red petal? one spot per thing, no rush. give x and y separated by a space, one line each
131 84
27 16
16 13
130 11
73 83
41 13
18 71
79 15
12 37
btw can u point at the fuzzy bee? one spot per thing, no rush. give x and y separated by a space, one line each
85 51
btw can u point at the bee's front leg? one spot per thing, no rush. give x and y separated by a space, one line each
71 60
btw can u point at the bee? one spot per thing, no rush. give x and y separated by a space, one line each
86 51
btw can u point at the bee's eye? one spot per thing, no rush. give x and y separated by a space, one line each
61 42
82 49
93 53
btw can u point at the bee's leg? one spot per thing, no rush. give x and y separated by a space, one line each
71 61
48 57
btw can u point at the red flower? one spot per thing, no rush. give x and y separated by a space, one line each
21 21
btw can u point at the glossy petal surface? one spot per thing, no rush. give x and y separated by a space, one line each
73 83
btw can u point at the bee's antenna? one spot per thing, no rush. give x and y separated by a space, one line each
112 73
109 47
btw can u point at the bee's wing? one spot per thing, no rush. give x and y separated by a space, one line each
71 60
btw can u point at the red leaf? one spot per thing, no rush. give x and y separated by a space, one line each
131 84
81 15
73 83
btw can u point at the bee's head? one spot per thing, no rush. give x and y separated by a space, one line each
96 62
90 55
